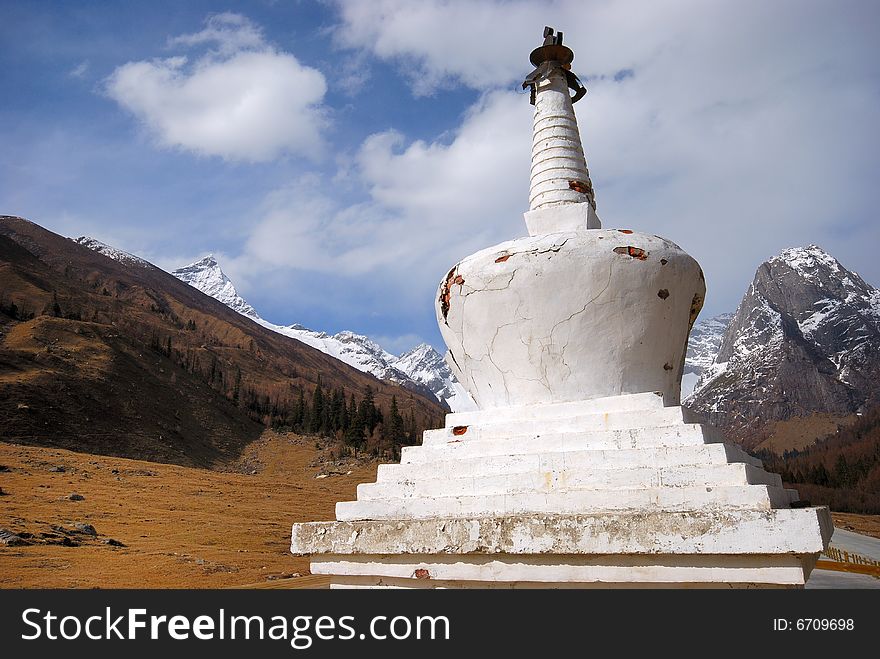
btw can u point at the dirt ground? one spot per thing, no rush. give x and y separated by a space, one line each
181 527
864 524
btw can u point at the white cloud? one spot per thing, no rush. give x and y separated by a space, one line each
228 32
486 44
439 42
743 129
352 73
242 101
470 189
429 204
303 226
80 70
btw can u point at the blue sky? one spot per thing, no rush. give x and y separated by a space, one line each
340 157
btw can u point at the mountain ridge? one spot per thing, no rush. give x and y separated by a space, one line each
109 356
421 369
426 374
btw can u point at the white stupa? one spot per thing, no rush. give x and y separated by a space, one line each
579 469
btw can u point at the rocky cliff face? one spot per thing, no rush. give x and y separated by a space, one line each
703 344
805 339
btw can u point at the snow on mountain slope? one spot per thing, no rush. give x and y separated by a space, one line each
207 276
111 252
805 339
703 345
424 364
355 350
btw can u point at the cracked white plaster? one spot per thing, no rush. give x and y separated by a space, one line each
563 317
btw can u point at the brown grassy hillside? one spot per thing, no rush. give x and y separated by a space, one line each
126 360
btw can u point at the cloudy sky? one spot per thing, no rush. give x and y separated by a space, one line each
340 157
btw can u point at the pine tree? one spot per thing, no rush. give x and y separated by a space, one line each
412 431
337 410
298 416
354 434
307 414
343 419
395 431
318 415
368 415
841 472
327 416
819 475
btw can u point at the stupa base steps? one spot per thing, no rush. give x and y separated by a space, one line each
480 571
614 492
612 454
746 548
569 501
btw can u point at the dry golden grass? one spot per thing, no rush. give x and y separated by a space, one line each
864 524
799 432
834 566
183 527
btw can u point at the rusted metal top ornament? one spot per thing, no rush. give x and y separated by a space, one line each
549 56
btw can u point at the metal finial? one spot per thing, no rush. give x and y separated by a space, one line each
549 56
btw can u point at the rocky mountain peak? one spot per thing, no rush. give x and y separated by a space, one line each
804 339
425 365
206 275
423 355
206 262
798 279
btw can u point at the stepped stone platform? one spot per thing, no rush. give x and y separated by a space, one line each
611 492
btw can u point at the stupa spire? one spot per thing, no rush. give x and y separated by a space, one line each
559 176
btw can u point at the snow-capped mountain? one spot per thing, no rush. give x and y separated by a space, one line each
425 365
703 345
805 338
355 350
112 252
421 369
207 276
